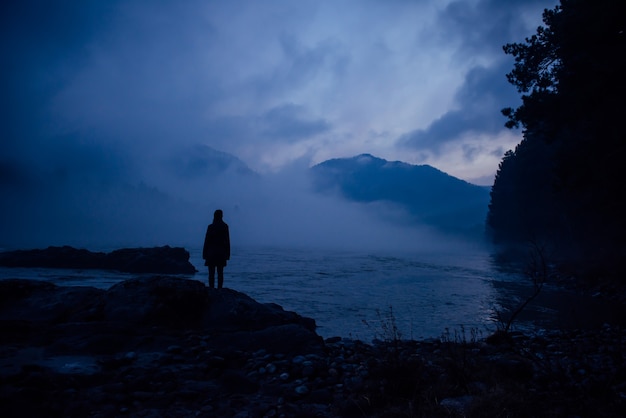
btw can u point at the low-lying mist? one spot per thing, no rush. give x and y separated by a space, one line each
157 205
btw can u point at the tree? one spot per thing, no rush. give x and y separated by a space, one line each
571 66
566 173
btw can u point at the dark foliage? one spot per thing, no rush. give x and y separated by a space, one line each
562 185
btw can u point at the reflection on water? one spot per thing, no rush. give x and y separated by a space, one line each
357 294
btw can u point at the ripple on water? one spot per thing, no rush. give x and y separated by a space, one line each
84 365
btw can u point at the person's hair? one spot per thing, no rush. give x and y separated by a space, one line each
218 214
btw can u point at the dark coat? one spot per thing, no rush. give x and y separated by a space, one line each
216 248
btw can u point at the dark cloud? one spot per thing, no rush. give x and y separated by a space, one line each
43 45
283 124
298 69
480 29
486 25
305 61
484 92
288 123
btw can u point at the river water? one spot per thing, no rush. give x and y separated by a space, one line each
364 295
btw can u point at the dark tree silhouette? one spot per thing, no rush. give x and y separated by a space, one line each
563 182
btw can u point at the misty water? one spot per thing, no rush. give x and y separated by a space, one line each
360 294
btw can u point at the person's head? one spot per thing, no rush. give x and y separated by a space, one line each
217 215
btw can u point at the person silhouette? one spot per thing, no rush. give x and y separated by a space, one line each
216 249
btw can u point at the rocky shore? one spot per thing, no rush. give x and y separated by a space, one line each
165 346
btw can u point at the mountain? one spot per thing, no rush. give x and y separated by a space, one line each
201 160
102 199
430 196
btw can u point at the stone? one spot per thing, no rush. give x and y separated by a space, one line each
162 260
459 405
301 390
298 359
163 301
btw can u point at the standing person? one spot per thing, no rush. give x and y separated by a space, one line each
216 250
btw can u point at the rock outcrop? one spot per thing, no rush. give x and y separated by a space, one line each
139 306
157 260
151 337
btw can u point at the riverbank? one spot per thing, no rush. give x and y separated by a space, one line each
172 347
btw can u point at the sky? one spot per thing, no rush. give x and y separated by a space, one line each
105 92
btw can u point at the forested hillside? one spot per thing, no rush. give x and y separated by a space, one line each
430 196
562 187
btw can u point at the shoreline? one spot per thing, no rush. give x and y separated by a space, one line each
79 363
357 314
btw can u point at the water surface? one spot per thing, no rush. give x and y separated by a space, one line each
363 295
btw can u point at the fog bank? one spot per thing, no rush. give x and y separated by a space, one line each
160 199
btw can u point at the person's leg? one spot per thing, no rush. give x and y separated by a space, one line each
220 276
211 276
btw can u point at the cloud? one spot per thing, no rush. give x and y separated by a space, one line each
467 157
473 126
42 45
484 26
302 66
147 73
484 92
287 123
108 107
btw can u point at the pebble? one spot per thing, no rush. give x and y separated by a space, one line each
302 390
459 405
209 383
298 359
174 349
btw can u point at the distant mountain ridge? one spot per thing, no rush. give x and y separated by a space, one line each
431 196
201 160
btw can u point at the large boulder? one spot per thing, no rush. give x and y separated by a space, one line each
44 302
157 301
156 310
159 260
231 310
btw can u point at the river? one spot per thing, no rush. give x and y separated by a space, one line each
366 295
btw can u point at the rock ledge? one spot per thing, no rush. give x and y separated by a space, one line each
158 260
